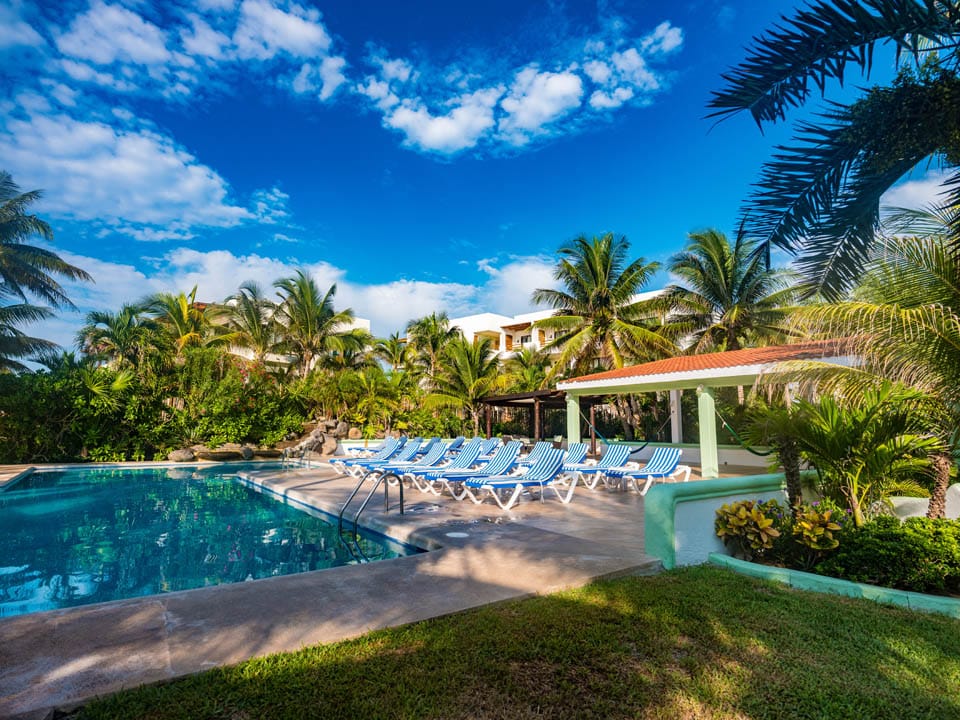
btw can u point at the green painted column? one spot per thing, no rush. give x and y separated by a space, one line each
573 418
709 461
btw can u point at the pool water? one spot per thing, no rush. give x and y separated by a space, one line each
73 537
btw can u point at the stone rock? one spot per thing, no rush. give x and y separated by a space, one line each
246 453
354 433
267 453
184 455
329 445
220 455
329 424
341 430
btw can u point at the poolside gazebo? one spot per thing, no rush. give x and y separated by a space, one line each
703 373
536 402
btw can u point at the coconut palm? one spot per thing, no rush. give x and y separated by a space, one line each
184 321
26 269
310 326
904 325
394 351
526 370
14 343
428 336
251 319
598 322
466 373
727 297
123 338
820 196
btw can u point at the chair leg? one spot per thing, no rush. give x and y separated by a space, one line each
565 499
648 485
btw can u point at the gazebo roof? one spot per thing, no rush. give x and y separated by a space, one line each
733 367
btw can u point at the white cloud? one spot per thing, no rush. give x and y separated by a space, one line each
537 99
218 273
270 206
265 31
633 69
608 101
115 175
322 79
598 71
396 69
85 73
918 193
15 31
379 92
110 33
663 40
202 40
458 129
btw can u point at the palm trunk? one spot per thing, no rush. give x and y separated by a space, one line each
790 459
941 474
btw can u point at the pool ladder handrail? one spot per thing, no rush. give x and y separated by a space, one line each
380 480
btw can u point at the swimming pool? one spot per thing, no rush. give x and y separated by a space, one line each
78 536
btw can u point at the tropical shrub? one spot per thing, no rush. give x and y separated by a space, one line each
749 527
919 554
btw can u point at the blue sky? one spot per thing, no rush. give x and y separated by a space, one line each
423 155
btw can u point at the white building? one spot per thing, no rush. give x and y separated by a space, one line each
510 334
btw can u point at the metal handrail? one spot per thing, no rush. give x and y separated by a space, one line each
386 503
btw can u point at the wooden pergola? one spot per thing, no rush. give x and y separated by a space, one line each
536 402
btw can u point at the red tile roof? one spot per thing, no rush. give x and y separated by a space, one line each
712 361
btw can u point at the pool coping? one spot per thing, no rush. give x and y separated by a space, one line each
61 658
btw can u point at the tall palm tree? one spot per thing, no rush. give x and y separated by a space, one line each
310 325
727 296
526 370
466 373
904 325
598 323
820 196
428 337
14 343
251 319
123 338
26 269
394 351
185 321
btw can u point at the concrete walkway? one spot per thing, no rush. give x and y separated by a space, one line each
479 555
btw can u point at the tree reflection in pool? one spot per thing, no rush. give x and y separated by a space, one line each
79 536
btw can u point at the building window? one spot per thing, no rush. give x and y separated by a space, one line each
525 339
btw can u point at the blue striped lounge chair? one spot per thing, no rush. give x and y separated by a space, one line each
464 460
503 462
535 454
455 444
540 475
432 458
391 447
407 453
576 454
663 464
592 472
490 446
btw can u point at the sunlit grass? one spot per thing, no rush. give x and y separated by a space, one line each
696 643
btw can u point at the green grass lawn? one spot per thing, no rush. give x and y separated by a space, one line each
695 643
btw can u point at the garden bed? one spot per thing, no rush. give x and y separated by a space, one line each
834 586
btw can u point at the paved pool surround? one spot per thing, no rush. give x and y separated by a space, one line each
478 556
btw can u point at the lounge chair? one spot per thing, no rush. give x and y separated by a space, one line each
540 475
361 467
615 456
463 460
535 454
431 459
391 447
576 454
490 446
452 480
662 465
455 444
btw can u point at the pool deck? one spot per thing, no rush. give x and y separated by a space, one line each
60 658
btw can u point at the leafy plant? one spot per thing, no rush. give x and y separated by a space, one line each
749 526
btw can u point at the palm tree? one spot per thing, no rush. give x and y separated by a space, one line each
904 325
185 321
16 344
310 325
374 396
394 351
428 337
466 373
27 269
123 338
727 296
598 323
526 370
251 319
820 196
